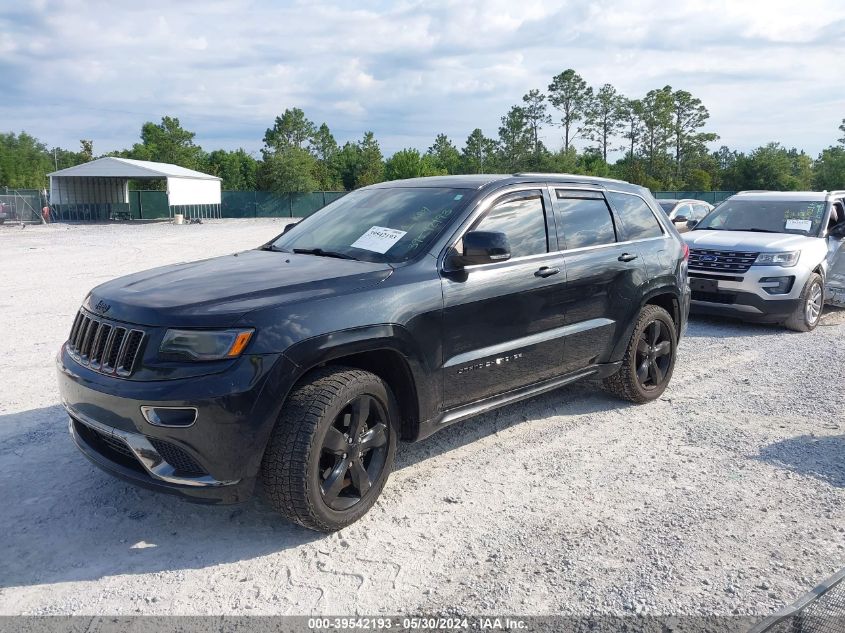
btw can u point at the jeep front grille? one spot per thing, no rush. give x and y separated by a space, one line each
105 346
721 261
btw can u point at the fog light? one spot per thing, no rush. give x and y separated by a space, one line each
777 285
169 416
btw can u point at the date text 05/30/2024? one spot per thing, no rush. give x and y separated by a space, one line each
415 623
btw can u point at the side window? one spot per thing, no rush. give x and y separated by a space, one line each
837 214
685 210
638 221
700 212
584 219
524 222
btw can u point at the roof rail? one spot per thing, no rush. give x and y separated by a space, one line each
532 174
755 191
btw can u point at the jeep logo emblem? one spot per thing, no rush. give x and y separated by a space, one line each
102 307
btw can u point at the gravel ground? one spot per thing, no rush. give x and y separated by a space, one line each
724 496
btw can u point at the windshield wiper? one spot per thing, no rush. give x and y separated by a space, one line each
756 230
321 253
272 247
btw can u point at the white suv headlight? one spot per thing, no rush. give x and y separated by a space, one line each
787 259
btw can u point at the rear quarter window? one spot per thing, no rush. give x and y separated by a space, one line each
637 219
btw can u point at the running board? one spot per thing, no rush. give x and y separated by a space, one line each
488 404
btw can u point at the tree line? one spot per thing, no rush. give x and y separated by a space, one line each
659 140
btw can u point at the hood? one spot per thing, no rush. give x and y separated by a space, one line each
747 241
217 292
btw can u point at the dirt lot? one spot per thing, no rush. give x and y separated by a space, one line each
727 495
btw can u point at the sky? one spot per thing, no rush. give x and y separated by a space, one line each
71 69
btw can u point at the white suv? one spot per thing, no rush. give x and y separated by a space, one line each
774 257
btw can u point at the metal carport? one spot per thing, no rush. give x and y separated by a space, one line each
99 190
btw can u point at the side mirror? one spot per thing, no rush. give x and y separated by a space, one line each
482 247
691 224
680 218
289 227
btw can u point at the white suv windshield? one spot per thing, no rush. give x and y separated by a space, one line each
766 216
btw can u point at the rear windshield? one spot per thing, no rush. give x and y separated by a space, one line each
766 216
377 225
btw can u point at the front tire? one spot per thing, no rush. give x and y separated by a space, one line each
332 449
808 314
649 358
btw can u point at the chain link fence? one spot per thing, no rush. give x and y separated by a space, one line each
150 205
25 205
20 205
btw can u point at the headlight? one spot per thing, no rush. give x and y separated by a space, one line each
786 260
204 344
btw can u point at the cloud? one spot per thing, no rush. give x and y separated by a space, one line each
410 69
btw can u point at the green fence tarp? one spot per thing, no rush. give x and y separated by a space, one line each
148 205
708 196
265 204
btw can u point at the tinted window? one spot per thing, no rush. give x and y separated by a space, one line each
585 220
637 219
667 205
523 221
383 225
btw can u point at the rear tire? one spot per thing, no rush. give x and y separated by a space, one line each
649 358
332 448
808 314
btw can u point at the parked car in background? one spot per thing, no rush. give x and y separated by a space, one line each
4 212
685 210
770 256
391 313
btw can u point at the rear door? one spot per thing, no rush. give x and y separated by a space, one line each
603 274
501 321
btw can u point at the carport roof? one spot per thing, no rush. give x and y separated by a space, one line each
113 167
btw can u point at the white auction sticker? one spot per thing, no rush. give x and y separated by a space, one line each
378 239
798 225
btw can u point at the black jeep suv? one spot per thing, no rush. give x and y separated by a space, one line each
393 312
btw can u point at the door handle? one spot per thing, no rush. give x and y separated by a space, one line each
545 271
627 257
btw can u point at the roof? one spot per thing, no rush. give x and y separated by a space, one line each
477 181
804 196
680 200
113 167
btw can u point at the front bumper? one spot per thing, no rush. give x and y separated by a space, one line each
215 460
742 295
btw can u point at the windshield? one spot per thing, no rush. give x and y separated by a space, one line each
769 216
376 225
667 205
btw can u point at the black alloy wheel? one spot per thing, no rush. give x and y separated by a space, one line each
649 359
353 453
654 355
332 448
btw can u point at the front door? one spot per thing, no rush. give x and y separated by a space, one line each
502 321
835 282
